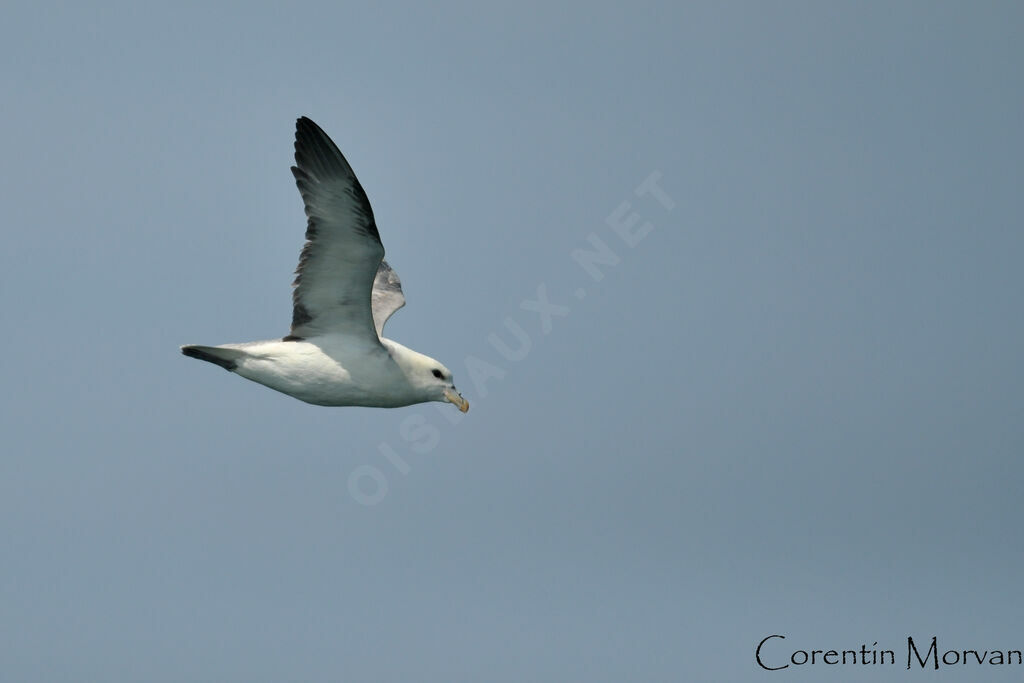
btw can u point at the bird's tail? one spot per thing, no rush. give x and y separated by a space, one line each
224 357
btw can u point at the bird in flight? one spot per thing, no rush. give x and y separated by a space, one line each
344 293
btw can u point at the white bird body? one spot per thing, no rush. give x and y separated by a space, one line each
329 371
344 293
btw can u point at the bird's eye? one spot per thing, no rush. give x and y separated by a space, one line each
437 373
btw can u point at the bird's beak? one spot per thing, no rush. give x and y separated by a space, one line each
456 398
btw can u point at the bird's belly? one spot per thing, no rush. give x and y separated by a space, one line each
317 378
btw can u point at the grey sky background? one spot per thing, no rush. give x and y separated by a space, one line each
794 407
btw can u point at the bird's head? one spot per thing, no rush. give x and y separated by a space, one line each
429 377
443 386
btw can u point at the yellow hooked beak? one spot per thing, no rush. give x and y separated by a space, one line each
456 398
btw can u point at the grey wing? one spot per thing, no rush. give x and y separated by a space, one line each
339 260
387 296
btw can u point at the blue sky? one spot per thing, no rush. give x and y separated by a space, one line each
791 403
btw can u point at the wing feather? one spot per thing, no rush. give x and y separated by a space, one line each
387 296
342 253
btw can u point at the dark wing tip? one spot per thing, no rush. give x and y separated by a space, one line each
203 353
316 153
388 276
305 127
318 160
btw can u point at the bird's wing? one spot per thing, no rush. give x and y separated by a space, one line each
387 296
339 261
